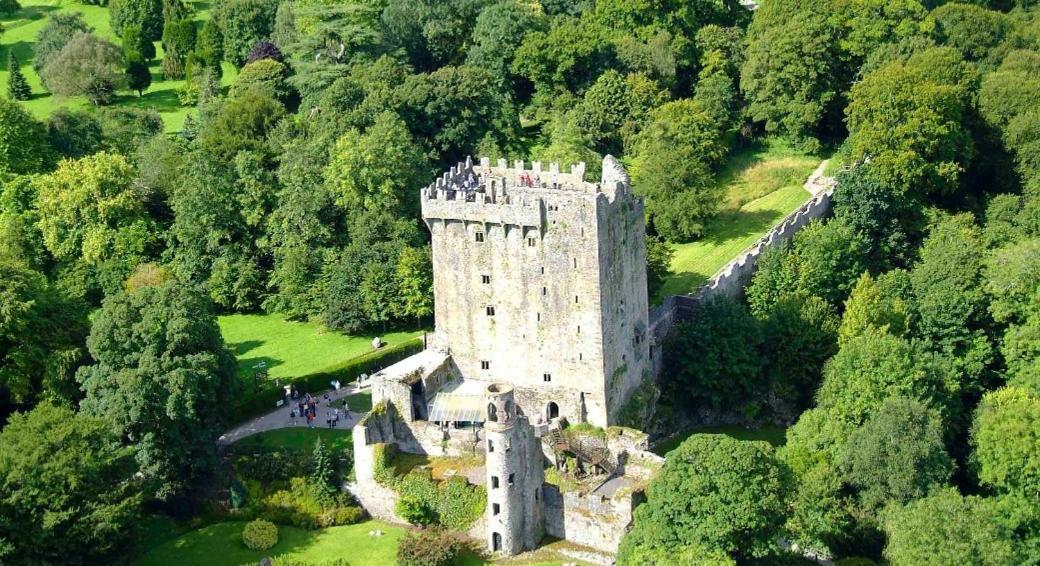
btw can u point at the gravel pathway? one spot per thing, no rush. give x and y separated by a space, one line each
279 418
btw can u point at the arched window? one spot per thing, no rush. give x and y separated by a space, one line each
496 542
552 410
492 413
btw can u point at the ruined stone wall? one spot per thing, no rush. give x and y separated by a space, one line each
735 275
587 519
528 279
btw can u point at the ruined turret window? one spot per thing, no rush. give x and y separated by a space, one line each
543 270
530 242
511 479
490 310
494 482
545 291
485 364
485 279
575 298
491 446
479 236
575 263
496 509
546 377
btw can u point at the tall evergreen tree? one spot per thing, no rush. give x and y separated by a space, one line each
323 476
17 87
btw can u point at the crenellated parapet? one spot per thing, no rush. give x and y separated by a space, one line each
514 194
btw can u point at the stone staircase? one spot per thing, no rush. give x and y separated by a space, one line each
585 449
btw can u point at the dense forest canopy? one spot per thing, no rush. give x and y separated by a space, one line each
901 336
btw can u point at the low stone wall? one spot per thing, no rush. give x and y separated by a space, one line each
587 519
735 275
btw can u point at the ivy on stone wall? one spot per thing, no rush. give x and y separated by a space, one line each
453 503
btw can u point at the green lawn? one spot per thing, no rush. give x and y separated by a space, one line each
292 349
21 28
763 184
221 544
775 435
694 263
298 438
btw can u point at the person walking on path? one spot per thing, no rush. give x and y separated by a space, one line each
292 416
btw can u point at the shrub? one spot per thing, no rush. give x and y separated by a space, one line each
271 466
415 510
433 547
299 507
260 534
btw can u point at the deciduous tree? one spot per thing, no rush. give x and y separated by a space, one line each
1005 435
66 488
163 378
719 493
87 66
898 454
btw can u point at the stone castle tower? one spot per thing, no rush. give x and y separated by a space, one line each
514 475
540 282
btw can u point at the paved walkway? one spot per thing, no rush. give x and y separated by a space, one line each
279 418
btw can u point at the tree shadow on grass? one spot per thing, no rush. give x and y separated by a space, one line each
244 347
740 223
28 13
23 50
247 366
164 100
680 283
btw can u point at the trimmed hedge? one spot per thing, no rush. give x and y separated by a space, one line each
260 534
264 401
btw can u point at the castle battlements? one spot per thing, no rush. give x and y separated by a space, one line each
515 195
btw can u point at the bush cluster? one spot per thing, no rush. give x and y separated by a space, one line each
432 547
260 534
272 466
453 503
298 506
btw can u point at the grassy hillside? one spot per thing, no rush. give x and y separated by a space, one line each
21 28
294 348
762 185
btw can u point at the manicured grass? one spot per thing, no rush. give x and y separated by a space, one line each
694 263
292 349
763 183
221 544
21 28
775 435
761 169
298 438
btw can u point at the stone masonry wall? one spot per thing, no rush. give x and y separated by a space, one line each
529 273
587 519
735 275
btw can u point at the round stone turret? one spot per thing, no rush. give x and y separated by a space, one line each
514 475
500 407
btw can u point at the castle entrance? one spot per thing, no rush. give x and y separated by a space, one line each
552 410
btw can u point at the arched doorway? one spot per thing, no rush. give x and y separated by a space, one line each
496 542
492 413
552 410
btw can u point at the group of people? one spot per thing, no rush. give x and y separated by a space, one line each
307 407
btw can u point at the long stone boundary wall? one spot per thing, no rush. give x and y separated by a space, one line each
735 275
